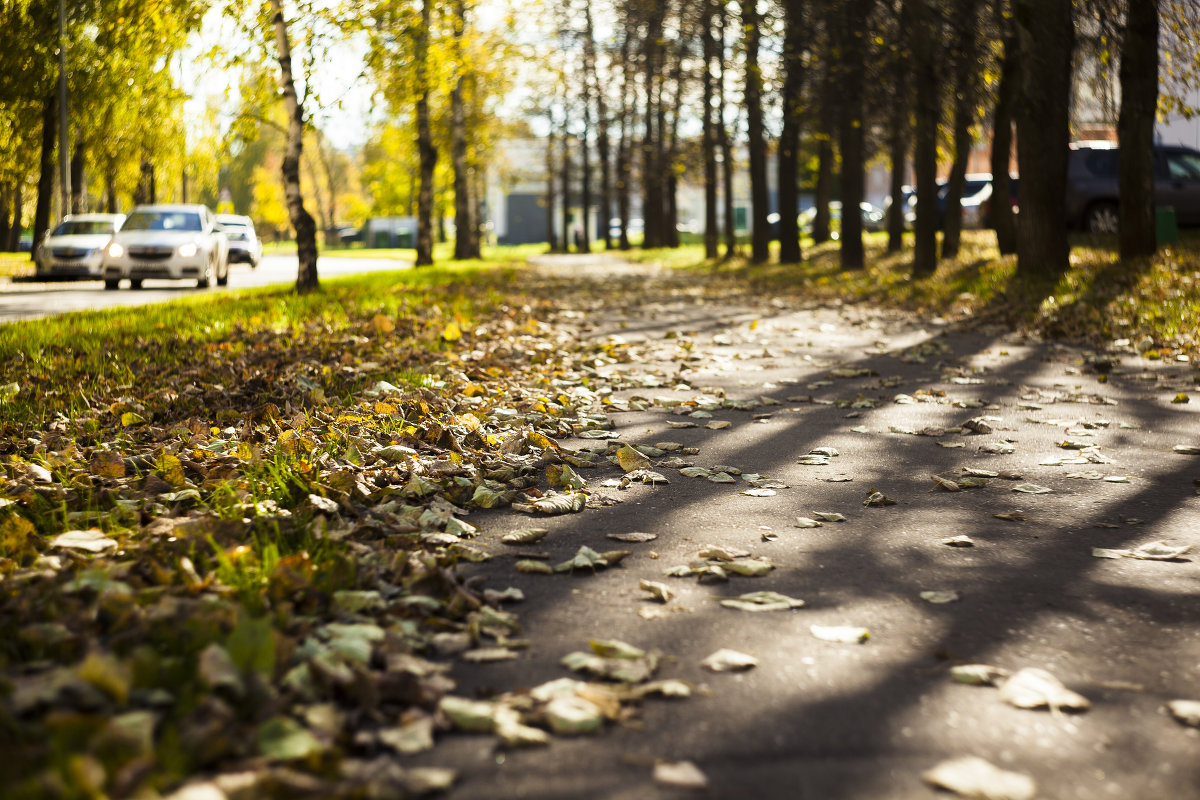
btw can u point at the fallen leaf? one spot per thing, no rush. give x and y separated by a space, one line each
1153 551
763 601
631 459
939 597
530 566
1032 488
524 536
959 541
659 591
720 553
1011 516
749 567
633 537
92 540
1187 449
726 660
283 739
946 483
878 500
805 522
844 634
971 776
679 775
978 674
1037 688
718 425
573 715
829 516
1187 712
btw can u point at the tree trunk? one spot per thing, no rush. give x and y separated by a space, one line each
1003 220
709 132
823 193
760 235
928 114
302 221
41 214
79 198
110 190
726 145
466 242
427 154
18 221
853 130
652 139
671 199
1046 33
551 172
789 140
898 141
565 177
585 175
6 193
1135 128
624 166
966 19
147 189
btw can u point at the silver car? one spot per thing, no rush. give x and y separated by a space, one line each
244 245
75 249
174 242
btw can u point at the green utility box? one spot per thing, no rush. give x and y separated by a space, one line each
1166 230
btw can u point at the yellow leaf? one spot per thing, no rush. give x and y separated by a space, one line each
385 408
631 459
16 537
382 324
170 469
131 418
452 333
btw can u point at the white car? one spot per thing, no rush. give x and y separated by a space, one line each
244 244
76 247
173 242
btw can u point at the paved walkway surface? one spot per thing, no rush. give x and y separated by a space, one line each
1091 441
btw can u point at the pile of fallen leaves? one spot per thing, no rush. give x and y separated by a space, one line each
242 565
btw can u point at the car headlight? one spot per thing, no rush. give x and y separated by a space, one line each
188 250
116 250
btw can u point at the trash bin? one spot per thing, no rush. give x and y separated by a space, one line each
1166 230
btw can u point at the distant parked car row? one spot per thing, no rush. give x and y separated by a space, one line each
1093 185
177 242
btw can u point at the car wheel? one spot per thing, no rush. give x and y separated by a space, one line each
135 283
112 283
223 278
205 280
1102 218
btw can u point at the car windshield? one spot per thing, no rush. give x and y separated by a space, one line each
236 234
163 221
80 227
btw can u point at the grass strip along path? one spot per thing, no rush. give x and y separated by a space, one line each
241 536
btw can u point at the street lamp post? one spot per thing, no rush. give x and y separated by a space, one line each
64 136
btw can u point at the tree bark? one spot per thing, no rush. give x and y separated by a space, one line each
928 114
585 171
789 139
41 214
79 204
551 172
966 19
899 139
427 153
726 144
14 233
603 154
1135 129
565 191
1045 29
823 192
624 165
6 192
302 221
853 130
760 236
709 131
466 243
1003 220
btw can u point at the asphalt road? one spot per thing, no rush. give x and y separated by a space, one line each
21 300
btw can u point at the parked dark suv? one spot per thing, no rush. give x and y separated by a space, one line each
1093 177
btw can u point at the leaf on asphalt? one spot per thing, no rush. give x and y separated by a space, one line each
878 500
1032 488
946 483
939 597
585 559
410 738
978 674
749 567
657 590
472 716
623 670
1153 551
722 477
843 634
1011 516
829 516
561 476
959 541
283 739
1187 449
530 566
756 492
1186 712
718 552
1182 397
1036 688
572 715
694 472
635 536
680 425
815 461
726 660
998 448
524 536
718 425
630 459
971 776
805 522
560 503
827 452
979 473
763 601
944 443
679 775
92 540
642 476
979 425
